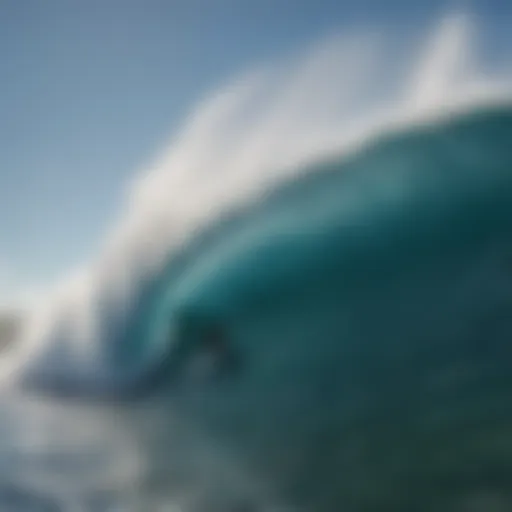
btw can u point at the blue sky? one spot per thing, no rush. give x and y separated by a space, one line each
92 89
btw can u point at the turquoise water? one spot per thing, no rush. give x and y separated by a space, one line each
368 307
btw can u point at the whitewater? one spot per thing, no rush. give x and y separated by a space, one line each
343 217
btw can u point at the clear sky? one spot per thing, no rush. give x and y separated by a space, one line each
90 90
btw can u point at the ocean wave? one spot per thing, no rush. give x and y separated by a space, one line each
289 174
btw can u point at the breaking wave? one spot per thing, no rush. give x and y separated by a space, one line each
274 181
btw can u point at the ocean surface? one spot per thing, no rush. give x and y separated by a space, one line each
340 343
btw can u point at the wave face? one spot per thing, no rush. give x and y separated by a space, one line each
318 280
369 304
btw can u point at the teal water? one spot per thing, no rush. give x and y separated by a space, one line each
368 307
